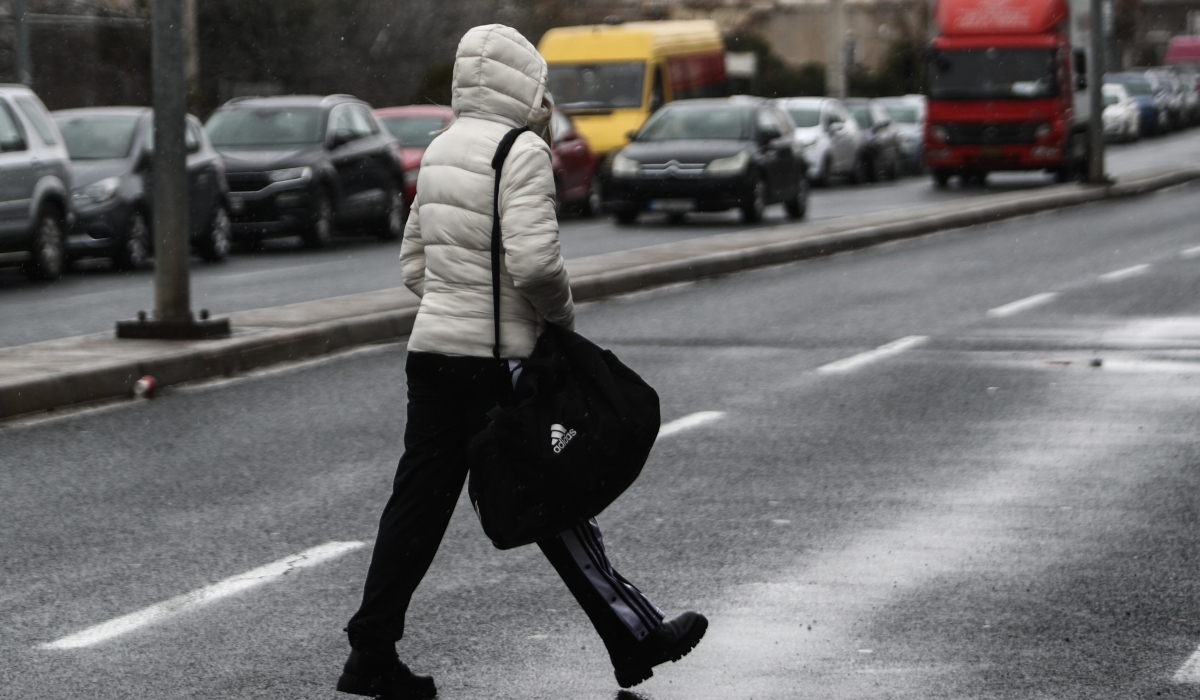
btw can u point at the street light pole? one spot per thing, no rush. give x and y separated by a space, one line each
1095 96
21 22
835 33
172 290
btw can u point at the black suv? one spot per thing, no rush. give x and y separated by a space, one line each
308 165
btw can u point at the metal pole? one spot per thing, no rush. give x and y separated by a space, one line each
21 22
1095 90
192 47
171 251
835 69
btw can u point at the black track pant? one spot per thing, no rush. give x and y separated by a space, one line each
448 399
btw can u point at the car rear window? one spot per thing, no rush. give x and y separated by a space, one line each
37 116
98 137
700 123
247 127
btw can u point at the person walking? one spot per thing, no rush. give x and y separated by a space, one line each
499 84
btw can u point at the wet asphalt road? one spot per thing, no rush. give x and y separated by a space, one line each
92 300
979 512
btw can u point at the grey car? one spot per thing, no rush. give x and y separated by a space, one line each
35 185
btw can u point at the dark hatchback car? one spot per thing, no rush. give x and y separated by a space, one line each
883 156
308 165
709 155
111 151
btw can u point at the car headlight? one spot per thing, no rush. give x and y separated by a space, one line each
97 192
289 174
625 167
729 166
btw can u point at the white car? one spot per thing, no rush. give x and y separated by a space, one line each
831 142
1121 117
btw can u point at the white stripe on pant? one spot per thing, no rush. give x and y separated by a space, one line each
634 610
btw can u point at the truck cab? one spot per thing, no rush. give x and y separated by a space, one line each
1006 90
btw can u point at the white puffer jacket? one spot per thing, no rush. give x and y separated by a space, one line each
499 84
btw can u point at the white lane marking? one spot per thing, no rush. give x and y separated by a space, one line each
1189 672
202 596
687 422
892 348
1021 304
1125 273
1190 252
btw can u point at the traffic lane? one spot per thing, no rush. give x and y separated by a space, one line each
282 274
764 390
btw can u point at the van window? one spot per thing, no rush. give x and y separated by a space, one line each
601 86
33 111
11 137
701 75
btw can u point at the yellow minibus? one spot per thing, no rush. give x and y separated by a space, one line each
610 77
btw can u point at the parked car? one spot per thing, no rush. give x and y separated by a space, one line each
35 185
830 139
415 126
111 151
709 155
308 165
881 153
575 182
1122 121
908 116
1152 109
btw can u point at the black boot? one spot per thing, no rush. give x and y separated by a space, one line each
670 642
382 674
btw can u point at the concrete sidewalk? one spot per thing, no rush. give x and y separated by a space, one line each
58 373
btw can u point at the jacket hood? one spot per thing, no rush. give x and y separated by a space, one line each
499 76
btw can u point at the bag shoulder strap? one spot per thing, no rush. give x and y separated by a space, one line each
502 150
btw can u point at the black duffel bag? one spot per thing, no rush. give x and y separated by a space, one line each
571 436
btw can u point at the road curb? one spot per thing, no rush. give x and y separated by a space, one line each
607 275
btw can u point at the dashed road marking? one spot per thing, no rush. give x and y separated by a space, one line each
1189 672
865 358
1020 305
687 422
1125 273
202 596
1190 252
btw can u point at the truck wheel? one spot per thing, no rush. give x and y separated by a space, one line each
46 249
132 250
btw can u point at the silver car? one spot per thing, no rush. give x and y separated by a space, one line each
829 138
35 185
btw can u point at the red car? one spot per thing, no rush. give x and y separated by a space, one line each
574 168
415 126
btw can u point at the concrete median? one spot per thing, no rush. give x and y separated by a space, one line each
70 371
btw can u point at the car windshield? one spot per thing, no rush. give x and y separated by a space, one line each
987 74
902 114
246 127
805 117
862 115
99 137
704 124
1139 88
601 86
414 132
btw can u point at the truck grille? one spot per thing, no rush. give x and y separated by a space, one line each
247 182
990 134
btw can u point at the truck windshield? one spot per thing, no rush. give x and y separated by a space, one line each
600 86
991 74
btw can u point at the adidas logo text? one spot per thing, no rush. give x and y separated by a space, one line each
559 437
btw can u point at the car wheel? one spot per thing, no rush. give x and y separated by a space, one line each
676 218
894 166
216 242
822 178
320 228
594 203
394 218
132 251
859 173
46 249
941 178
627 217
797 207
752 209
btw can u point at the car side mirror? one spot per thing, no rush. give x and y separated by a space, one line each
568 136
631 135
836 127
145 160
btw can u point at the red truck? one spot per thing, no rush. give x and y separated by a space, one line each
1006 89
